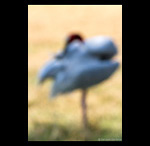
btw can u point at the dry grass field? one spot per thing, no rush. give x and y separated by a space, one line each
60 119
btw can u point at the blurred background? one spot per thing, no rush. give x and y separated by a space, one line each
60 118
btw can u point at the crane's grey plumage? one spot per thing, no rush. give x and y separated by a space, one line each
83 65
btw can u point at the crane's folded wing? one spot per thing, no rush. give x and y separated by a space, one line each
83 76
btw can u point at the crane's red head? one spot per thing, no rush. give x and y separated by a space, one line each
70 39
73 37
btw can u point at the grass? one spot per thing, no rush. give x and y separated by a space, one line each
60 119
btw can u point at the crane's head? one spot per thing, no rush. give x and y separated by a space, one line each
73 37
70 39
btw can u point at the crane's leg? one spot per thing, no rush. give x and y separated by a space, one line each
84 108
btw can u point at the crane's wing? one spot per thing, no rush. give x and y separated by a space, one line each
83 76
92 74
101 46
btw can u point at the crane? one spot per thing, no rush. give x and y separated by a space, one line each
81 64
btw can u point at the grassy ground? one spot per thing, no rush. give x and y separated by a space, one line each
60 119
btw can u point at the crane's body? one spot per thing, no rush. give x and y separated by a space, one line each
82 65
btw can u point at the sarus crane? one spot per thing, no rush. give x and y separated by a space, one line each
81 64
